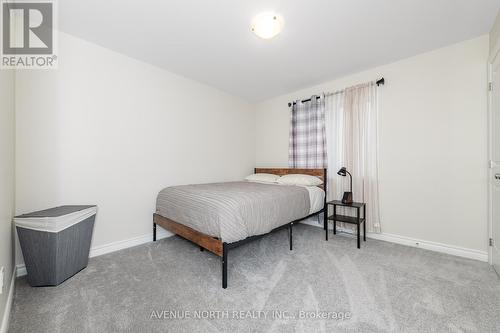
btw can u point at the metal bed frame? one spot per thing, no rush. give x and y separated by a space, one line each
220 248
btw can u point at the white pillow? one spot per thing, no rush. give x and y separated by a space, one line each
301 180
262 177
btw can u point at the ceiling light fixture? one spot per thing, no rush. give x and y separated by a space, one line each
267 25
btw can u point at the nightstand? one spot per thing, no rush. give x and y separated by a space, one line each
348 219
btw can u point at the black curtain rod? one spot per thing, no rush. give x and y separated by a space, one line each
378 83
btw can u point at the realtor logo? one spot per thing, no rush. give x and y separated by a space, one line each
28 31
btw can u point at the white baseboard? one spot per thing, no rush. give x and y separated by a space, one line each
432 246
112 247
124 244
21 270
4 325
413 242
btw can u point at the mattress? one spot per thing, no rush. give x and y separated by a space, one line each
316 198
233 211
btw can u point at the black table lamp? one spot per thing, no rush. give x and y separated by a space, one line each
347 198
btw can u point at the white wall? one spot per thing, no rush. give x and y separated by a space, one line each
495 35
432 128
6 183
109 130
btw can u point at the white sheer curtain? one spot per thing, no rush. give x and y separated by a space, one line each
352 141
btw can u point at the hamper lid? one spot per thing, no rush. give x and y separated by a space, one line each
55 219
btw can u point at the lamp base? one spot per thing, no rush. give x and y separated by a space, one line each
347 198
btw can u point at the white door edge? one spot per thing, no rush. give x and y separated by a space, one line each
491 162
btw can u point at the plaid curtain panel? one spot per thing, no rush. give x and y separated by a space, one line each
307 140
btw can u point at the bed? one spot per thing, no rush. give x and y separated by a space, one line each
222 216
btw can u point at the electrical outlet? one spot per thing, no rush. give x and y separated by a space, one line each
1 280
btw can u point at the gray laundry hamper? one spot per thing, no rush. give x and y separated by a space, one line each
55 242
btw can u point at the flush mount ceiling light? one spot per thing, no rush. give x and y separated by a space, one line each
267 25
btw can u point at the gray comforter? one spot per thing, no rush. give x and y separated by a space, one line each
235 210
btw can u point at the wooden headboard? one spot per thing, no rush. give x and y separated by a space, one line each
320 173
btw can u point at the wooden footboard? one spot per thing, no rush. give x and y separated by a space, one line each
207 242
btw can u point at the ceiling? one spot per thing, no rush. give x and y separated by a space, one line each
210 40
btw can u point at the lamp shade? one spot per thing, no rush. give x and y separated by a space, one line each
342 172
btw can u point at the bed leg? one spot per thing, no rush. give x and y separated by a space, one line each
290 227
202 249
154 232
325 218
224 265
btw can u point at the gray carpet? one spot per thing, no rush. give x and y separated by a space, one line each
383 287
